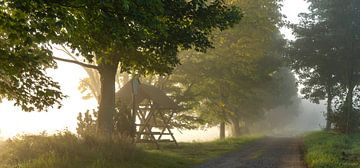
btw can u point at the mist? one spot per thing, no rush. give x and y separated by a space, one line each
309 118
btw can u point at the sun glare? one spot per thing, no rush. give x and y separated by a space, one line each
291 10
13 121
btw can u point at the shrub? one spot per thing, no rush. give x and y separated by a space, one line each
123 123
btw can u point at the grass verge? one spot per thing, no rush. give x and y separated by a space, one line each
190 154
65 150
332 150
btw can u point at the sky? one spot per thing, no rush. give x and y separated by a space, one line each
13 121
291 9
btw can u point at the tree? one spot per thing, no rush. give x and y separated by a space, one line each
327 38
313 60
140 36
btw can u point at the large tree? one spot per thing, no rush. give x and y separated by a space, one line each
313 60
140 36
326 55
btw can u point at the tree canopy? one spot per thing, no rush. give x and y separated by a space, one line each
140 36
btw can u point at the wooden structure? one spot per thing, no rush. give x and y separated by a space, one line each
152 111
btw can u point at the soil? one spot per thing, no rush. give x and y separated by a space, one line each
271 152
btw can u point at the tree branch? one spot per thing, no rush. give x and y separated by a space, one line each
77 62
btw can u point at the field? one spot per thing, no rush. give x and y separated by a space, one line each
332 150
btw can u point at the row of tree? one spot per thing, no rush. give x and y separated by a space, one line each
326 58
141 36
241 79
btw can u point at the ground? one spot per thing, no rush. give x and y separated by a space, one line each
265 153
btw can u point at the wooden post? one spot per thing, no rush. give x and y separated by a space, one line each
135 84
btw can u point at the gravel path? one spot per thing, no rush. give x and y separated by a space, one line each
265 153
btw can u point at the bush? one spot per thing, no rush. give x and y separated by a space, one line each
65 150
86 125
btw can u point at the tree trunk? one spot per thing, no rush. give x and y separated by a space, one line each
328 114
329 107
246 127
222 130
349 106
235 127
107 99
349 101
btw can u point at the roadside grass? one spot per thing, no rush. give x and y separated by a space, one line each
190 154
332 150
65 150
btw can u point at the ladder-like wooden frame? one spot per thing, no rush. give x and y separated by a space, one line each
144 130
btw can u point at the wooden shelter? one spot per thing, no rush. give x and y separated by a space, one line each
152 110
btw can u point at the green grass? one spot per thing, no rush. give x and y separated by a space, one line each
332 150
189 154
65 150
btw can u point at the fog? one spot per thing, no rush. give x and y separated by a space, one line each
310 118
13 121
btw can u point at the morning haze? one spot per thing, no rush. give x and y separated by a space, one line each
183 83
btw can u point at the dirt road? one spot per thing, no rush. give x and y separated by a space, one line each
265 153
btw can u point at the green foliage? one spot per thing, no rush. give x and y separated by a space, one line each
23 61
87 122
143 36
65 150
86 125
329 149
